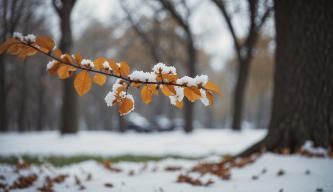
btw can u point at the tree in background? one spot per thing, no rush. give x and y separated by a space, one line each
303 83
244 51
191 51
15 15
69 114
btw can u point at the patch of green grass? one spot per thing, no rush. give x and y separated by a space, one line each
64 160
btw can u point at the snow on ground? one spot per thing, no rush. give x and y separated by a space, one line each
202 142
301 174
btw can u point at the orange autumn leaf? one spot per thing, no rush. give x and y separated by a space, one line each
64 72
27 51
57 53
115 68
45 42
210 98
170 77
146 94
82 83
68 59
9 42
99 79
190 94
135 84
166 91
124 68
179 104
78 58
211 86
14 49
125 106
53 70
99 63
172 89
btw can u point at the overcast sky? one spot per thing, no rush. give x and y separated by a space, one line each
207 24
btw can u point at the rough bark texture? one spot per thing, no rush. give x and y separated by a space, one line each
69 113
303 84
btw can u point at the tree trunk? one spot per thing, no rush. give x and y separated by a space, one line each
22 125
189 107
303 84
239 94
69 114
3 108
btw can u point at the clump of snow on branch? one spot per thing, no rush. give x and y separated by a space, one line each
189 81
106 65
26 38
111 97
143 76
179 95
50 64
164 69
87 63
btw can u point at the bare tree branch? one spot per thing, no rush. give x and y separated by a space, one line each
140 32
220 4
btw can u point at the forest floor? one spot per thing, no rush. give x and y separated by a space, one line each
147 163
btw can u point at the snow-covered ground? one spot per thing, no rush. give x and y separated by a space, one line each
202 142
270 172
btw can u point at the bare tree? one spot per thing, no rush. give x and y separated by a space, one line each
183 22
244 52
15 14
69 114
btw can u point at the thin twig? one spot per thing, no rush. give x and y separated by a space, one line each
101 72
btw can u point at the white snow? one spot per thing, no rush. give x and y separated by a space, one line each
179 95
189 81
27 38
106 65
301 174
164 69
110 98
309 146
143 76
202 142
50 64
204 98
87 63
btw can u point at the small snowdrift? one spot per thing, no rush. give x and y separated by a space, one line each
271 172
202 142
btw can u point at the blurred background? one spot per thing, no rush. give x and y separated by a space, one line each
231 41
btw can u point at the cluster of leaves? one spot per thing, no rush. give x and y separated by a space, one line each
65 66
